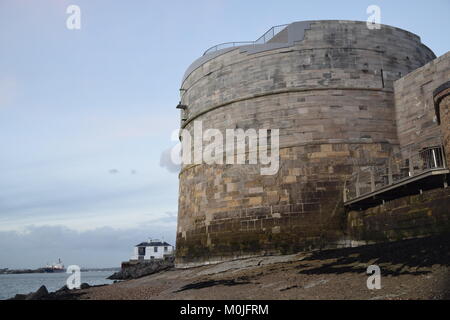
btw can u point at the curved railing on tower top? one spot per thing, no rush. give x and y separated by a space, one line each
266 37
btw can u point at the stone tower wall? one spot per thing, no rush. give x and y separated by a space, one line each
331 97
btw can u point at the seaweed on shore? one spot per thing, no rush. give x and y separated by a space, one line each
211 283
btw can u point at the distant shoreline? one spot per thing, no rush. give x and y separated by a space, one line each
42 270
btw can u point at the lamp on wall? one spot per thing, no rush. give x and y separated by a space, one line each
181 106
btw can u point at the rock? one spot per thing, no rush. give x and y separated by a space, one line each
65 288
138 269
64 291
38 295
61 294
84 286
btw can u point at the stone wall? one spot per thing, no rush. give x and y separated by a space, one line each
445 126
442 108
134 269
416 118
331 97
408 217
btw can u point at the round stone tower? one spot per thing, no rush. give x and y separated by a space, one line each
327 86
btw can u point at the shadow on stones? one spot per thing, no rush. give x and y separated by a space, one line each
414 257
211 283
446 289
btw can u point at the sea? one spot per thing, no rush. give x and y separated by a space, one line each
12 284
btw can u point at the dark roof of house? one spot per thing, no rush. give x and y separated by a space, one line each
153 244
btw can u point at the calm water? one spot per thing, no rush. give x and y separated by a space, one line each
11 284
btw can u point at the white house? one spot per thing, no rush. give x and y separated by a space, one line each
153 249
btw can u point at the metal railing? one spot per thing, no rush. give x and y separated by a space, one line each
272 32
266 37
396 169
228 45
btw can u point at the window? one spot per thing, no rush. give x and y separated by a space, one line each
165 249
141 251
155 249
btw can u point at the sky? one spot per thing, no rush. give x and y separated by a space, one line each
86 116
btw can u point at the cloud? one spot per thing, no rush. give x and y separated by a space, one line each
69 199
170 217
165 161
101 247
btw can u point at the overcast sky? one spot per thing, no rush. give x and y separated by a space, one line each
86 115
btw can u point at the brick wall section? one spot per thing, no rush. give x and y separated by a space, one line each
408 217
416 118
335 111
444 107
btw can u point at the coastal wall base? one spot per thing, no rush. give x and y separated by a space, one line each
408 217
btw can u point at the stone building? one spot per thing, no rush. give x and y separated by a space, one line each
345 99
